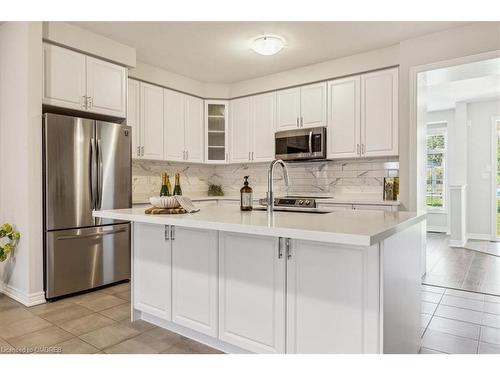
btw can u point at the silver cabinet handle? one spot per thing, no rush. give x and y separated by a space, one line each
301 122
252 156
142 150
172 232
298 122
89 102
280 251
358 151
187 155
138 150
288 249
363 149
167 232
84 102
249 153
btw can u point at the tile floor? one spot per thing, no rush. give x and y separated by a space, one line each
462 268
97 322
459 322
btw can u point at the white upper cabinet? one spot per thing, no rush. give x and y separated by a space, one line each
174 117
240 133
288 109
379 113
313 105
264 126
216 131
64 78
344 118
106 87
151 133
302 107
134 115
76 81
252 292
193 133
194 279
152 270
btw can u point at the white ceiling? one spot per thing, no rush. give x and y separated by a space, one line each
219 52
462 83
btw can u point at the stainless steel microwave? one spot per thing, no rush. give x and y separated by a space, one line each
301 144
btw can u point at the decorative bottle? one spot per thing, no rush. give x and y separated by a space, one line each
246 196
165 188
177 186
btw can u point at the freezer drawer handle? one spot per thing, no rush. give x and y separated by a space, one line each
91 234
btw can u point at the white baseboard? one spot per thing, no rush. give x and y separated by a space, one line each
437 229
457 243
479 236
28 300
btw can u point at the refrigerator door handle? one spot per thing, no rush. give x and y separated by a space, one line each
99 176
93 173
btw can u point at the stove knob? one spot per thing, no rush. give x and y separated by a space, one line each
301 202
308 202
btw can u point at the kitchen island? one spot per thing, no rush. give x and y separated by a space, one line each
341 282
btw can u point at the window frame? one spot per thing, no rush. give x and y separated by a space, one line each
439 128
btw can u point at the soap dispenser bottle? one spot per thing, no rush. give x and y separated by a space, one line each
246 196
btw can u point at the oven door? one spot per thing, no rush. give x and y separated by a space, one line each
301 144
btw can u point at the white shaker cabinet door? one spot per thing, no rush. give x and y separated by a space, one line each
252 292
106 87
152 270
64 82
133 115
194 129
313 105
264 125
332 299
379 113
344 118
174 115
194 279
240 124
288 113
151 121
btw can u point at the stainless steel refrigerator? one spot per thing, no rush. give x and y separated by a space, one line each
87 166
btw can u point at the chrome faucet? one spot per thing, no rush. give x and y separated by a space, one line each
270 176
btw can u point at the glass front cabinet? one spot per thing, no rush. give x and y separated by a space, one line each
216 131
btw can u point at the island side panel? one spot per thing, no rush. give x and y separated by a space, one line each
401 274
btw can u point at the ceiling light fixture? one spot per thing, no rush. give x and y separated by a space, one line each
268 45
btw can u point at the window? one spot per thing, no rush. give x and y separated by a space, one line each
436 167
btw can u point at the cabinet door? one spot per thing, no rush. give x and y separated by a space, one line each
152 270
288 109
313 105
174 125
252 292
240 124
332 299
379 113
344 118
194 129
133 115
194 279
106 87
64 73
151 121
216 130
264 125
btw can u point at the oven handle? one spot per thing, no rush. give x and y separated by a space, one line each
310 142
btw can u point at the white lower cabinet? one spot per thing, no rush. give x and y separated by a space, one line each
251 292
194 279
152 270
332 299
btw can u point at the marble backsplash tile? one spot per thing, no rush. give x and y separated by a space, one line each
361 178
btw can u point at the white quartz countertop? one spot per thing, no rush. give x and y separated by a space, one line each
351 227
339 200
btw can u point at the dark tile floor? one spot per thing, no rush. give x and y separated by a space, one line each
461 268
96 322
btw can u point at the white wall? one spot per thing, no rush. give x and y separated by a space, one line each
21 276
479 184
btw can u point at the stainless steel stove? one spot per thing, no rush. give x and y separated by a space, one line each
295 203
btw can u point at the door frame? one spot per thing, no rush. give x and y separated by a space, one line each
494 170
416 186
